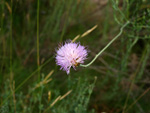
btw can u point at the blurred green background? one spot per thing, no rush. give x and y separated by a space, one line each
117 82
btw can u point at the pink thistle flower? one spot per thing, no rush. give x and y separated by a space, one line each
69 55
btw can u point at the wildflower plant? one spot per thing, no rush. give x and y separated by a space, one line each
122 74
71 54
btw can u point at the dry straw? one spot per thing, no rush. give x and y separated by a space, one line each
45 80
84 34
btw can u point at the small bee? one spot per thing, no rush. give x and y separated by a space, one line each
76 63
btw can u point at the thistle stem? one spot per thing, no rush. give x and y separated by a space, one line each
121 30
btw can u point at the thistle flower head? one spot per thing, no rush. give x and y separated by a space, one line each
69 55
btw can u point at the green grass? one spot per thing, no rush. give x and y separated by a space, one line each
116 82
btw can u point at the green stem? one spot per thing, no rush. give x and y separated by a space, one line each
38 56
1 34
11 45
121 30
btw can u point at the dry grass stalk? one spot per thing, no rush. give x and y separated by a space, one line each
49 96
75 38
65 94
138 99
55 101
84 34
60 98
45 81
49 75
89 31
9 8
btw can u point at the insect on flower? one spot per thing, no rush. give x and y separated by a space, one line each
70 54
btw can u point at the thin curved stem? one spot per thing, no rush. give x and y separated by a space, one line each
121 30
